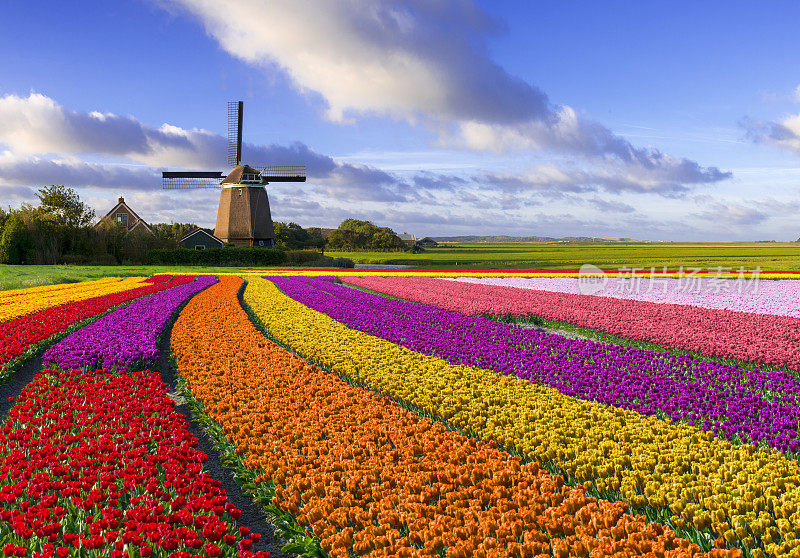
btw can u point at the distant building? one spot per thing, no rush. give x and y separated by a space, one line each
427 242
199 239
407 238
126 217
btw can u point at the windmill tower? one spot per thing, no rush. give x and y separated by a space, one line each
243 217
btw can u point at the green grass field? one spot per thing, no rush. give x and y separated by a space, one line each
23 276
768 255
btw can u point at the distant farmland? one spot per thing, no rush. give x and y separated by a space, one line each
612 255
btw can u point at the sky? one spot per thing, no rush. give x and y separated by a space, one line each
650 120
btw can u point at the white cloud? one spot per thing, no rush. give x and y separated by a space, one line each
558 180
421 61
733 214
611 206
104 155
38 125
387 57
784 134
46 142
36 171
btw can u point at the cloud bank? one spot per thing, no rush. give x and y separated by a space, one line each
784 134
424 62
47 143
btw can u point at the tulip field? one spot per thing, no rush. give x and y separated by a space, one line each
391 414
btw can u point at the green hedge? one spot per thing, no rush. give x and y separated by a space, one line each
229 256
303 256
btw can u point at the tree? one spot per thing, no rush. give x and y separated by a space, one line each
315 238
291 236
173 231
354 234
3 217
386 241
16 242
343 240
63 205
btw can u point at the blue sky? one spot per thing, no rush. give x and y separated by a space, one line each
649 120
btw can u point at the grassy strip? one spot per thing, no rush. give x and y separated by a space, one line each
705 539
571 255
25 276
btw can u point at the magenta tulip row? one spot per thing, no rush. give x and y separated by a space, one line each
126 335
757 338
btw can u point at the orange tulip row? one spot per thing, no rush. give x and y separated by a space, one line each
367 476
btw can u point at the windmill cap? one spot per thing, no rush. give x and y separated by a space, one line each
235 176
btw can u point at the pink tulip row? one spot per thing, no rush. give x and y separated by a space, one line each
778 297
759 338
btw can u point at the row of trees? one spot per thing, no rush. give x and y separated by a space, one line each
294 237
60 230
352 235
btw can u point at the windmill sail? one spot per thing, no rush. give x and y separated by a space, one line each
283 173
188 180
235 114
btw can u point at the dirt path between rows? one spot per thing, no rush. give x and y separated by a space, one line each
14 385
253 516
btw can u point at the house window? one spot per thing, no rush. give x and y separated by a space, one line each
122 219
199 247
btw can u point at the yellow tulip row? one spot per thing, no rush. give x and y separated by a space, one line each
10 295
748 496
13 306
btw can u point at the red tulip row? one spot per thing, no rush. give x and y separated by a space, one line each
100 460
154 279
745 336
19 335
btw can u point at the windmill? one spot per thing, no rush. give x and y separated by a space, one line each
243 217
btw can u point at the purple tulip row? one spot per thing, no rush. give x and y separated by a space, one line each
127 335
755 405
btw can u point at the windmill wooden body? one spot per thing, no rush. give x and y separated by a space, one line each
243 216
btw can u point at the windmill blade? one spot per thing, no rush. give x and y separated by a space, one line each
235 113
283 173
190 180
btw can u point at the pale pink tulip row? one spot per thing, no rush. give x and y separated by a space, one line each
760 338
777 297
